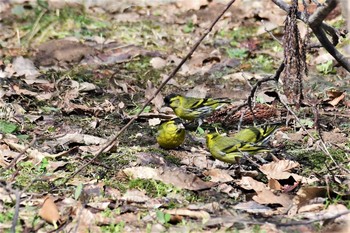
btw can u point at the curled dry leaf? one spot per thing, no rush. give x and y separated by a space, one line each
306 194
336 100
136 196
49 211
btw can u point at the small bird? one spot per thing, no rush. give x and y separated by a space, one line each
190 108
256 135
171 134
229 149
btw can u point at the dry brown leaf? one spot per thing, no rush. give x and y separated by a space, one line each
274 184
150 90
253 207
199 91
279 170
136 196
218 175
174 176
306 194
85 139
24 66
311 208
249 183
49 211
204 215
336 100
229 190
268 197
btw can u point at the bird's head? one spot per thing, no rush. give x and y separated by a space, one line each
172 100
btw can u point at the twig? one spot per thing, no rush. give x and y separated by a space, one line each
16 215
113 141
252 94
318 28
271 34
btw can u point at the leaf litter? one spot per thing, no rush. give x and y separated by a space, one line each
77 92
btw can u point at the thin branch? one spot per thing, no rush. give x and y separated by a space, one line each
321 13
16 215
318 28
113 141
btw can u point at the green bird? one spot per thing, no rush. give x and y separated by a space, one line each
190 108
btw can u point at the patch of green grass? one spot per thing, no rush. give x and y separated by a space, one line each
263 62
326 68
237 53
40 23
6 216
7 127
153 188
114 228
172 159
188 27
27 173
239 34
315 161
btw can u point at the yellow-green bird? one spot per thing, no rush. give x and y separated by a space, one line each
171 134
256 135
229 149
190 108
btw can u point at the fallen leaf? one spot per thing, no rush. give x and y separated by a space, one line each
336 100
249 183
199 91
158 63
80 138
154 121
218 175
136 196
306 194
150 90
24 66
267 197
205 216
280 170
253 207
49 211
274 184
175 176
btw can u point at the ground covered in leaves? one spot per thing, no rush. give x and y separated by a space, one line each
72 76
